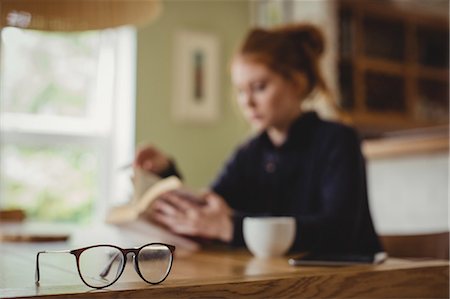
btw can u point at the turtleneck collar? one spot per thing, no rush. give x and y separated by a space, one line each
298 132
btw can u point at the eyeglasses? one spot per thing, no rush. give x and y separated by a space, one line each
100 266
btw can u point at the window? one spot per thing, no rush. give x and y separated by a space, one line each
66 121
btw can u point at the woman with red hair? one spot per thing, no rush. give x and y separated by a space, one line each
296 165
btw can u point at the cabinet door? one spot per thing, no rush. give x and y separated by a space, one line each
384 93
383 38
432 47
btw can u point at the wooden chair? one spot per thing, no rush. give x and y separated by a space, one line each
435 245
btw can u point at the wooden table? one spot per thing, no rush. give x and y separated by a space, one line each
223 273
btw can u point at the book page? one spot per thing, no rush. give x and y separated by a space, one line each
130 217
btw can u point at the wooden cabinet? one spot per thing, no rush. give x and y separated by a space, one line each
393 66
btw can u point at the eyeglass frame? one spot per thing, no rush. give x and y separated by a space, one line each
124 251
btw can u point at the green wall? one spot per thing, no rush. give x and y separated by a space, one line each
200 150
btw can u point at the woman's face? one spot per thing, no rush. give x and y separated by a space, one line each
267 99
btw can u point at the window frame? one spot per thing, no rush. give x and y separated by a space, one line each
113 141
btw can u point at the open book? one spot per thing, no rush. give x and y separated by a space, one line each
141 203
147 188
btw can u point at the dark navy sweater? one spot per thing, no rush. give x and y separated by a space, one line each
318 176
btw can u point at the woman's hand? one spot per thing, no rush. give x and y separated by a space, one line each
210 220
151 159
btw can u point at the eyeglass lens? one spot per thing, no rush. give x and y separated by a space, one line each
154 262
92 263
102 265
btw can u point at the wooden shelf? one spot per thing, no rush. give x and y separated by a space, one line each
431 73
384 9
393 66
376 149
408 144
382 65
386 122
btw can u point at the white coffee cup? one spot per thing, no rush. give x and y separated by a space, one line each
269 236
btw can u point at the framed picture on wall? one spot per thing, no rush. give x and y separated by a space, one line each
196 95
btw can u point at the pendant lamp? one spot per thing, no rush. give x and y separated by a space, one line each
76 15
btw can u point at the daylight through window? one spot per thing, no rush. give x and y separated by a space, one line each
62 136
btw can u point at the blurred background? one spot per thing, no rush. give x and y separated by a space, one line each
80 89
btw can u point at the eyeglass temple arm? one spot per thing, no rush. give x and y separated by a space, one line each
107 268
37 273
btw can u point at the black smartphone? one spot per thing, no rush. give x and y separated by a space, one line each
337 259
